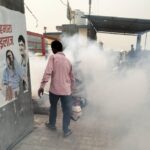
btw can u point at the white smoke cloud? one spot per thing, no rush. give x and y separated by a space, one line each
118 98
120 95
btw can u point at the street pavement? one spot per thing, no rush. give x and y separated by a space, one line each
90 132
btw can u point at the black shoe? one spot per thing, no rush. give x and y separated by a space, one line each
50 126
69 132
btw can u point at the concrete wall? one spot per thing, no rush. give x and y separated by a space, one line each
83 33
70 29
16 117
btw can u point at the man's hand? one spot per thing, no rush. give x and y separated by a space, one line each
40 91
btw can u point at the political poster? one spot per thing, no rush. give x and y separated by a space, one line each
13 55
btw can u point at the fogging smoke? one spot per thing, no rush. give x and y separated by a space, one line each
122 96
118 99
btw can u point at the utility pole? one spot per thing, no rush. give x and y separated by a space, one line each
91 33
69 12
89 26
90 2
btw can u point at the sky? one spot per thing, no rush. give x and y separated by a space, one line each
52 13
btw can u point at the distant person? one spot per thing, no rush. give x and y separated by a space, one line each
12 76
101 45
132 47
24 60
131 53
59 69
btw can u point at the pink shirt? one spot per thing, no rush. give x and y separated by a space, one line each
59 69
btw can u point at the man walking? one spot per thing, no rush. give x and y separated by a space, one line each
60 70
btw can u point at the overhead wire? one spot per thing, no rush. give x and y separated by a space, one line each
63 3
31 14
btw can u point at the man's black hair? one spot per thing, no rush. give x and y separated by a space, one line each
56 46
21 38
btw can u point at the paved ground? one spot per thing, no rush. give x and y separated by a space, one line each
89 133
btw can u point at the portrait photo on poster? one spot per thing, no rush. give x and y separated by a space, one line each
23 61
12 76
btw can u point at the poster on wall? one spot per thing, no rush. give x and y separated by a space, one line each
13 55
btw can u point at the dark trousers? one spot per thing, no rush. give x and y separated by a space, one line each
66 103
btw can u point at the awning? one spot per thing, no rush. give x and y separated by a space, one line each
119 25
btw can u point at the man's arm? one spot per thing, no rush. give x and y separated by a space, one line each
46 76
